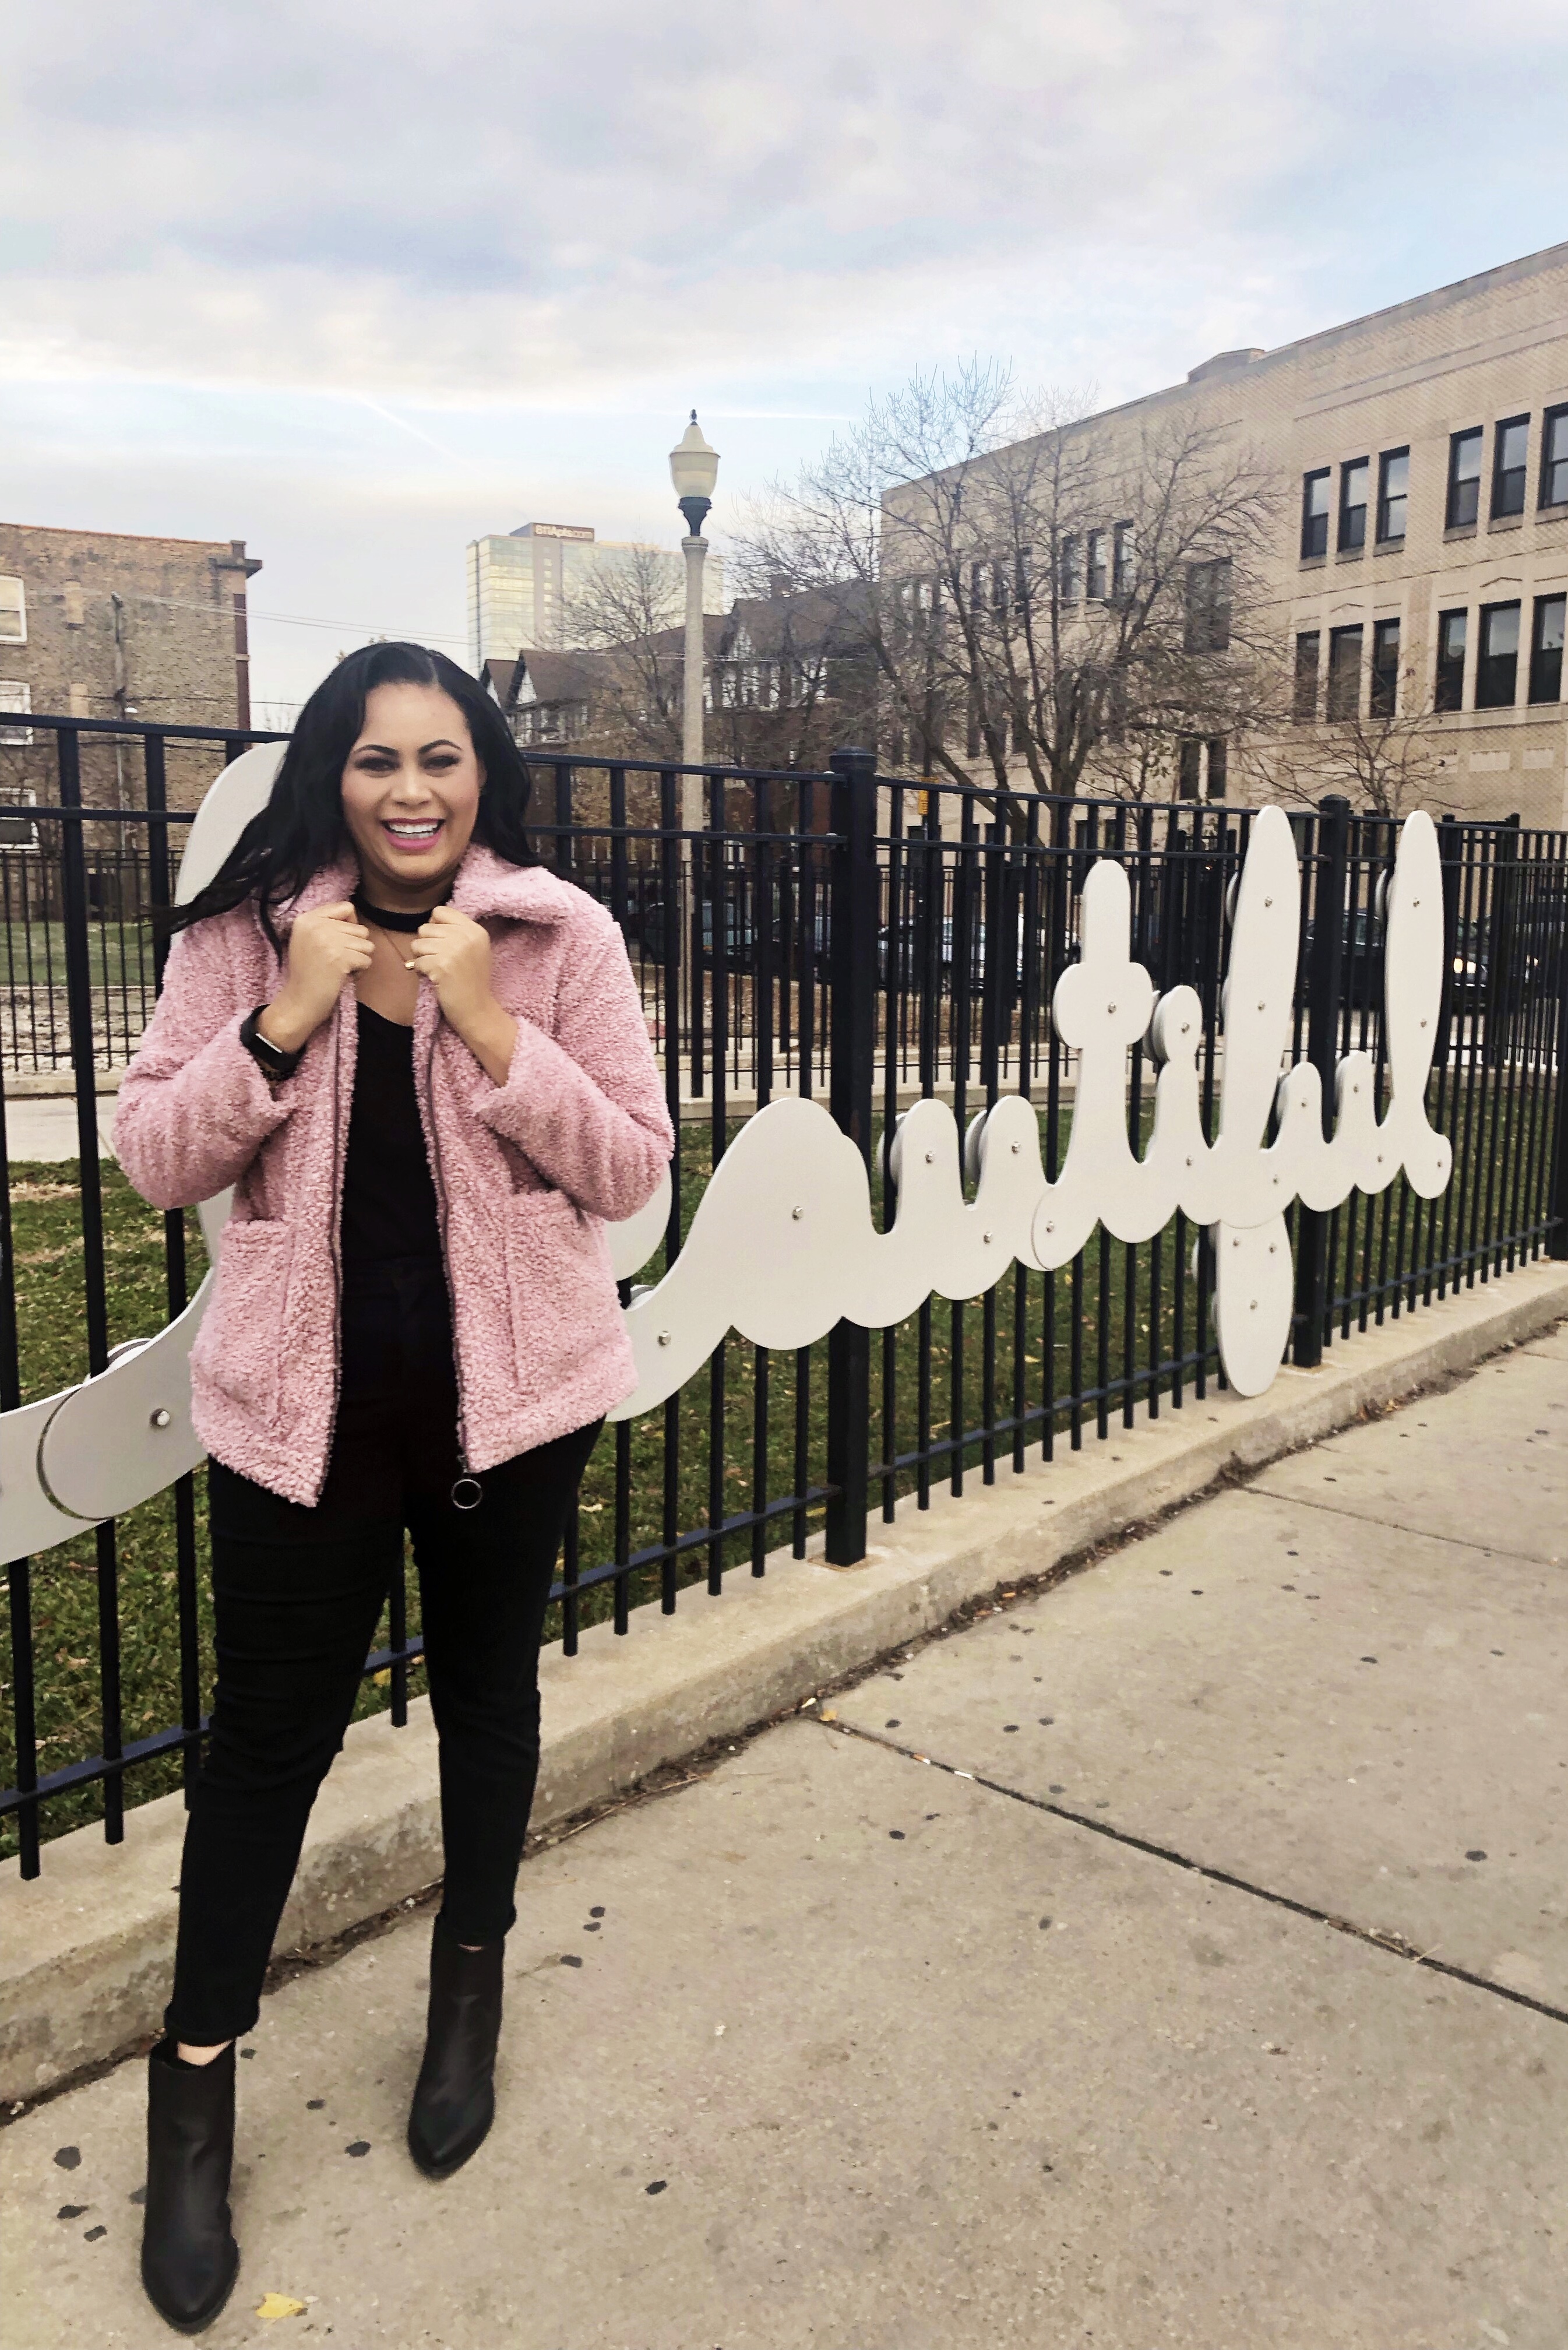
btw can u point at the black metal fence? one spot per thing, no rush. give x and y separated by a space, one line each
863 939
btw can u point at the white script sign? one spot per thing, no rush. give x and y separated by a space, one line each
783 1244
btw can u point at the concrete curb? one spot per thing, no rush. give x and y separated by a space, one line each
55 1084
87 1945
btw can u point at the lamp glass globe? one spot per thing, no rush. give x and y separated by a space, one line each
693 465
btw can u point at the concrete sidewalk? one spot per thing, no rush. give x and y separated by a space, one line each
45 1131
1054 1988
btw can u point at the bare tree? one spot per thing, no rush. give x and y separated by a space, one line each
1386 756
1040 601
787 676
626 617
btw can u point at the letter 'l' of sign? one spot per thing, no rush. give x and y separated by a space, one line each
783 1244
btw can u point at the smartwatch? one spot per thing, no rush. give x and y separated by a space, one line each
271 1059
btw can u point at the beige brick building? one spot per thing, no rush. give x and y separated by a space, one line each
1419 565
1429 555
94 624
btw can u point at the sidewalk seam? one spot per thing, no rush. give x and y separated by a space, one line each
1393 1945
1394 1526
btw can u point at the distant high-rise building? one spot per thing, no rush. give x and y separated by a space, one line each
523 586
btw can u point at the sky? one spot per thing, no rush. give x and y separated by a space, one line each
357 284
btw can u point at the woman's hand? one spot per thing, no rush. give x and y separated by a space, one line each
325 947
453 953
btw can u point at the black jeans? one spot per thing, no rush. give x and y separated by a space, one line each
297 1594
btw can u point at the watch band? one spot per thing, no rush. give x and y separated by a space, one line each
271 1059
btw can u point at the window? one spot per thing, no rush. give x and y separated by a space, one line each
1453 632
1393 494
1209 606
1218 764
1315 514
1553 461
16 830
1385 667
1189 767
1303 707
1099 577
1497 666
13 612
1353 479
1072 584
14 697
1464 479
1546 648
1509 464
1123 560
1344 672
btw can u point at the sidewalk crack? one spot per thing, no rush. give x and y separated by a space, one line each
1396 1526
1375 1938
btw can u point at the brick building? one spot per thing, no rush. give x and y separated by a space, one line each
1419 567
96 624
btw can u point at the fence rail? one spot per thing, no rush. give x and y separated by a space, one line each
846 936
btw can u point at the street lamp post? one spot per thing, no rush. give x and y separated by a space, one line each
694 470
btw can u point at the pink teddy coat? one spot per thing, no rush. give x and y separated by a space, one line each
527 1173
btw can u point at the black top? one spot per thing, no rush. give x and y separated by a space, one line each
388 1199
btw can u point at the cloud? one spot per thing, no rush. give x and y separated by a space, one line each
476 202
359 283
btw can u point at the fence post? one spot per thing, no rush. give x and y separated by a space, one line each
852 1039
1557 1196
1324 973
74 911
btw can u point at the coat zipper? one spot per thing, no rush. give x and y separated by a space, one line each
467 1492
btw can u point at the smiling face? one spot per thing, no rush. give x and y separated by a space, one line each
410 794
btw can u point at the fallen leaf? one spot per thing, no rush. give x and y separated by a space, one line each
279 2304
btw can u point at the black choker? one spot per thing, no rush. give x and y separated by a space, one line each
382 917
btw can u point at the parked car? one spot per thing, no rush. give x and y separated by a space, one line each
904 950
1361 961
736 929
1467 970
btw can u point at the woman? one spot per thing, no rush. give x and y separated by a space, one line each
421 1061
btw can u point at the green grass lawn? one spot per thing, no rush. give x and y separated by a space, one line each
120 953
33 973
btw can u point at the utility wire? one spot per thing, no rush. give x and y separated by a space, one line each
293 620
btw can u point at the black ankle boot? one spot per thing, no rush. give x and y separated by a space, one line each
454 2097
189 2256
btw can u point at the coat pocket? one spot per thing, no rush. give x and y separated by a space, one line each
564 1306
239 1343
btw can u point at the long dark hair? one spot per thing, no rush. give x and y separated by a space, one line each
301 828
